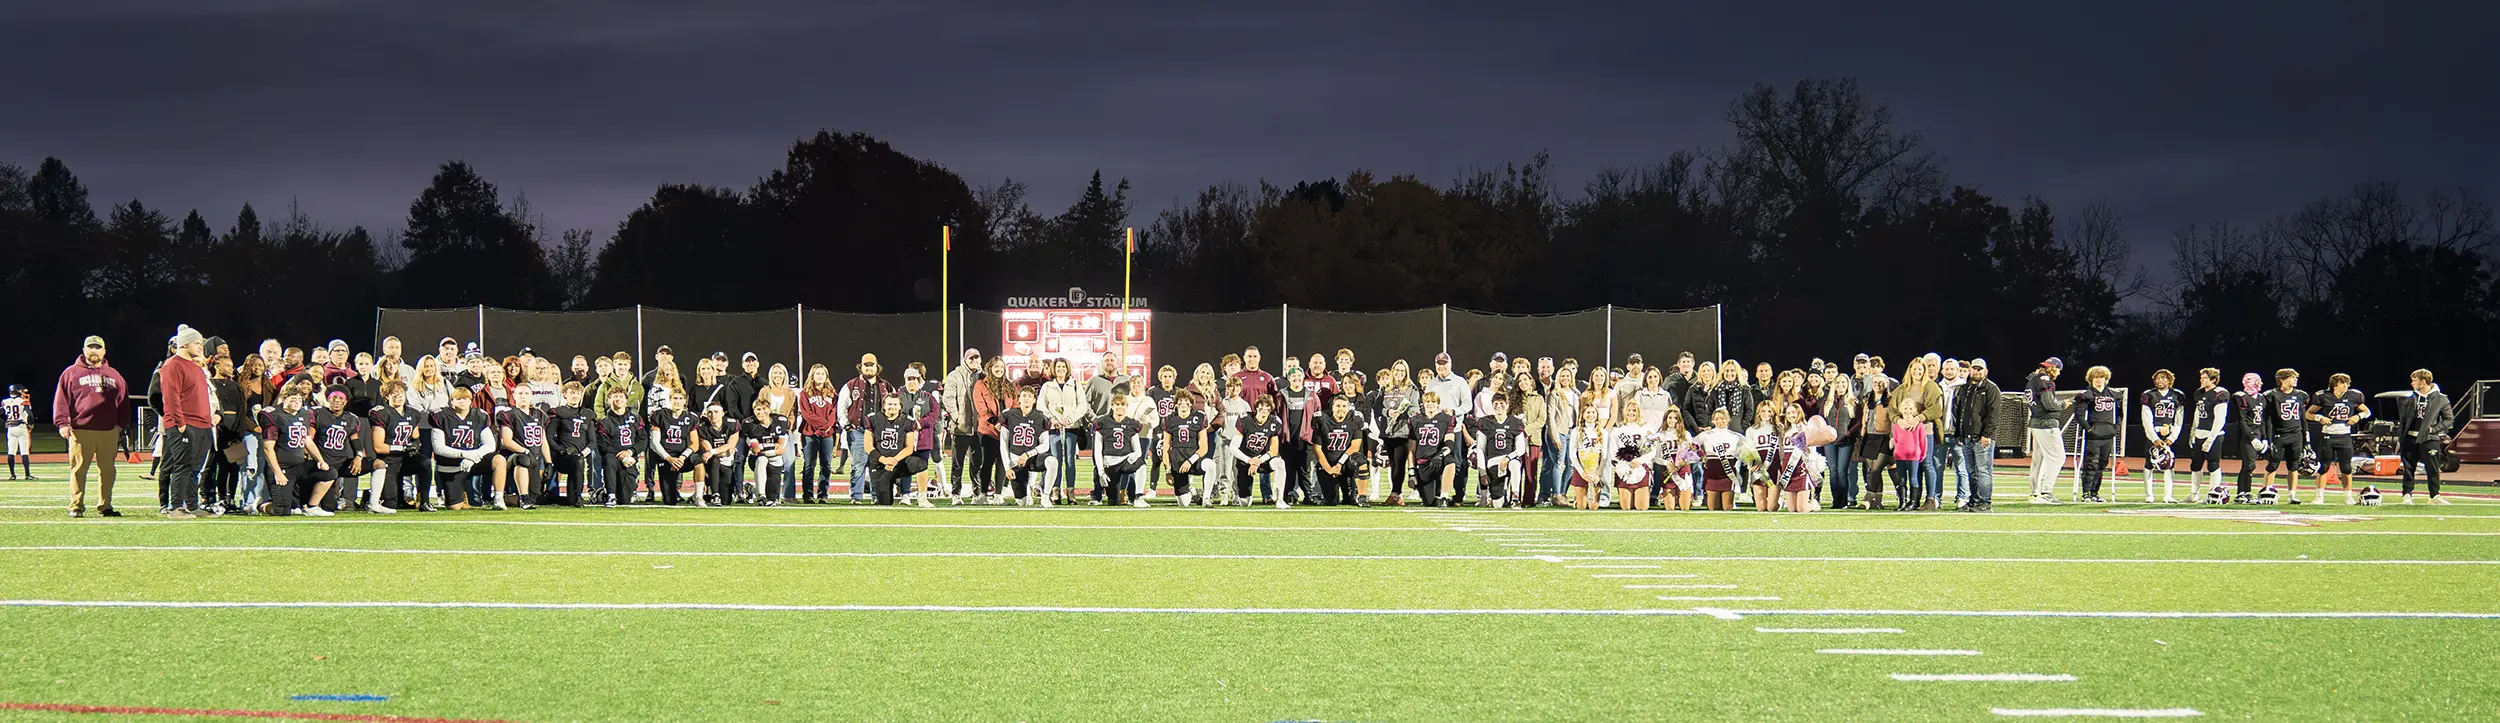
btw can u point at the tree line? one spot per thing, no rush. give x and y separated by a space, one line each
1822 227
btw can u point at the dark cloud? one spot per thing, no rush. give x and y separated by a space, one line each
2173 112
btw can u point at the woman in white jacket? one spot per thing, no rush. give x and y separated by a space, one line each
428 393
1063 400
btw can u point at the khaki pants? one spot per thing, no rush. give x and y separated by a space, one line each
92 448
2048 453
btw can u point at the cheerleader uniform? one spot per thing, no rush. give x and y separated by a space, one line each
1719 450
1589 456
1632 474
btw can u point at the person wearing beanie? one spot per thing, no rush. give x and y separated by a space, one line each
188 423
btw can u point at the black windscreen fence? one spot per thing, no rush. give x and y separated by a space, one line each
797 338
836 340
419 329
772 335
1375 338
560 335
1658 336
1185 340
1474 337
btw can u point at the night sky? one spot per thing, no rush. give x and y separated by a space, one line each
2174 112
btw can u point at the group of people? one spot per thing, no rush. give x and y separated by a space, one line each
283 431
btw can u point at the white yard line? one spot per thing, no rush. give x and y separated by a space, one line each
1678 577
1895 651
361 519
1608 567
2097 712
1679 587
2063 560
1715 598
714 553
1630 612
2133 614
1983 677
1493 528
1831 631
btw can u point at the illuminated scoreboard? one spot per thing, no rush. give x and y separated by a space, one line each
1081 336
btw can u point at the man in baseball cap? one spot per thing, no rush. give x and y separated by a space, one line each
2048 416
88 406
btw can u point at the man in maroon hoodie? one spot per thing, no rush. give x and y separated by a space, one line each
88 406
187 440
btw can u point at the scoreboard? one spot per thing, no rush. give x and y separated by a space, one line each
1030 337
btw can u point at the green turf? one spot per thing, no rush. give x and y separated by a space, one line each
559 664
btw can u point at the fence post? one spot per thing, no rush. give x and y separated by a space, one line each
638 344
481 328
1445 328
1718 328
801 311
960 337
1284 333
377 333
1610 333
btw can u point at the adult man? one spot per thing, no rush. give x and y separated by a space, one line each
88 406
1950 379
961 423
1106 381
2423 419
1345 368
391 349
1459 402
1974 413
1680 378
1634 371
1254 382
187 424
2048 418
660 357
858 401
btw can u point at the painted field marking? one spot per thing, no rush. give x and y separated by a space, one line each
1679 587
1715 598
2059 560
1538 544
1983 677
1607 567
349 698
1555 550
377 520
380 520
1894 651
1719 613
719 553
130 710
2097 712
1685 576
490 605
1832 631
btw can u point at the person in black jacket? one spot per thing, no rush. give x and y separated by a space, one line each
1974 414
2097 408
2422 423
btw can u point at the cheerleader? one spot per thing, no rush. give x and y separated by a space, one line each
1671 446
1634 455
1764 435
1721 450
1797 466
1590 454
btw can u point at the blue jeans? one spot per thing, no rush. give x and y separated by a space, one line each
1910 478
1844 472
856 440
816 464
1064 445
1557 471
1932 475
1975 473
248 485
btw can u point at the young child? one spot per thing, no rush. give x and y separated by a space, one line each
1909 454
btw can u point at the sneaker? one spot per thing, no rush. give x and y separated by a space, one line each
499 503
528 506
429 507
2046 500
75 513
2408 500
2438 500
318 512
1045 501
923 502
378 509
458 506
1139 502
611 504
1282 505
180 514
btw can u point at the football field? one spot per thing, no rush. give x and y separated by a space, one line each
2315 612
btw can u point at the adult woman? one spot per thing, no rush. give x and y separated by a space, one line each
1562 414
820 434
1062 399
785 398
429 393
253 379
1735 394
1875 440
1234 409
1653 396
991 397
1828 396
1529 404
1301 405
1919 389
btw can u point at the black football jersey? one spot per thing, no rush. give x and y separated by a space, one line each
1257 437
1184 432
891 433
397 427
676 430
1022 430
293 434
1119 437
2340 409
1432 435
2166 405
1501 436
1338 436
2285 410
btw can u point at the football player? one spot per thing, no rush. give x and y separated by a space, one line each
2286 434
2164 408
2337 410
